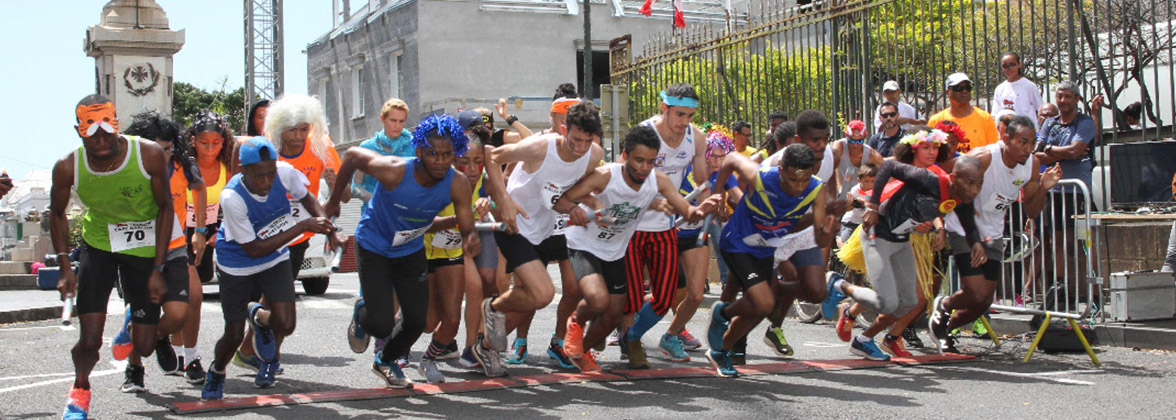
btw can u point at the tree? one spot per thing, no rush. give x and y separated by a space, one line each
189 100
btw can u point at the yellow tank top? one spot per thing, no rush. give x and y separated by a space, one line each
447 244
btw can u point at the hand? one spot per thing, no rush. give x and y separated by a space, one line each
924 227
1051 176
329 175
472 245
940 240
156 287
212 241
662 206
481 208
336 240
331 209
317 225
507 212
577 217
67 283
1096 104
979 257
198 244
501 108
869 218
712 203
827 231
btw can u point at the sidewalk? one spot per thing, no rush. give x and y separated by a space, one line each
29 305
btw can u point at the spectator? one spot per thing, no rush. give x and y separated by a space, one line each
1016 93
1047 111
908 116
977 124
742 132
1134 115
891 132
772 143
1002 119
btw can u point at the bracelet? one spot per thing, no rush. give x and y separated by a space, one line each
158 267
511 120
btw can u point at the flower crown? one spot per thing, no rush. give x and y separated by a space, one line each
718 136
934 136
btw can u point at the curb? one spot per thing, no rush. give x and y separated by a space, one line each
30 314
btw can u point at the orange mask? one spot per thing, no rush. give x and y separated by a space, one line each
93 117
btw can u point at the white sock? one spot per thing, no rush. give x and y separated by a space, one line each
190 355
179 351
861 338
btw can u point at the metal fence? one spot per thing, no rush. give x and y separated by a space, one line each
834 56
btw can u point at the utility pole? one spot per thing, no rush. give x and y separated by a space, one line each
264 56
587 93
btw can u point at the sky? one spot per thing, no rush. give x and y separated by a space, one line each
47 71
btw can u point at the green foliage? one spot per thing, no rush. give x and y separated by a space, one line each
189 100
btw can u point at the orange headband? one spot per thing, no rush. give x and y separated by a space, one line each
93 117
560 106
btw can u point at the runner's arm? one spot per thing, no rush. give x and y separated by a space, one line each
1036 189
460 193
691 213
153 162
737 164
389 170
700 156
59 195
568 203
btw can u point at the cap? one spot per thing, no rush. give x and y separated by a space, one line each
468 118
251 149
890 85
856 129
957 78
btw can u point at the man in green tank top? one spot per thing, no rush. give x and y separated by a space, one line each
126 229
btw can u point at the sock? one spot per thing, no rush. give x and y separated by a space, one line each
180 351
190 355
212 368
861 338
890 337
646 319
839 284
435 349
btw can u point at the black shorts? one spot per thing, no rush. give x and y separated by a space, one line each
97 272
204 267
747 269
276 283
436 263
553 249
585 264
686 243
517 250
962 255
175 273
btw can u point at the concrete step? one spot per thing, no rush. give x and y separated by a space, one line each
18 281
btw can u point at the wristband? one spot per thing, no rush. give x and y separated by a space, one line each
158 267
511 120
207 231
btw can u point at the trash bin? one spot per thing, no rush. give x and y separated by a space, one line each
47 278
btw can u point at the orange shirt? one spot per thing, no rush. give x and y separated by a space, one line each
978 126
179 193
313 167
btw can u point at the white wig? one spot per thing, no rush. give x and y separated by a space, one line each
293 109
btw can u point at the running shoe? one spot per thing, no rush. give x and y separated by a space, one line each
356 337
180 363
555 352
721 361
402 361
948 345
688 341
265 375
833 295
495 326
937 325
635 351
587 363
214 386
451 351
518 352
739 352
490 360
868 350
166 356
574 338
467 359
121 346
614 339
134 382
391 374
845 325
774 337
77 405
911 335
718 326
895 348
194 372
263 337
428 368
671 346
979 331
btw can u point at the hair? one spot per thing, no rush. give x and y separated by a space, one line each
867 169
565 90
905 154
442 127
154 126
586 117
1016 123
1135 110
208 121
480 136
784 132
293 109
94 99
641 135
778 114
889 104
394 103
797 156
1070 86
1005 118
682 90
486 113
739 125
811 119
1021 70
249 128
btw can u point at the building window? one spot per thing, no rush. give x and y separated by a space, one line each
394 82
357 93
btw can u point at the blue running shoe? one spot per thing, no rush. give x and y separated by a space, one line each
391 373
265 375
121 346
832 297
77 405
718 326
555 352
214 386
518 352
869 350
721 361
356 337
263 338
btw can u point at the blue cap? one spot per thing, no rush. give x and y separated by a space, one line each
250 151
468 118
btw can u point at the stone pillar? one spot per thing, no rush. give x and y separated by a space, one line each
132 49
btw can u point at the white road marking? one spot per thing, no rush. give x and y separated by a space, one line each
1044 376
823 345
119 367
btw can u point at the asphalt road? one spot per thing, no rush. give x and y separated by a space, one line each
36 372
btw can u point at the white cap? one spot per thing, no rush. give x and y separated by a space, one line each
890 85
957 78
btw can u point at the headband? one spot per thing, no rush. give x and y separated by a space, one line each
678 100
561 105
93 117
719 137
936 137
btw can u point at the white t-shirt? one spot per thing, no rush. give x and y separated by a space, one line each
1021 96
904 111
236 215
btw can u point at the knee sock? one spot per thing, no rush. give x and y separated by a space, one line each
646 319
180 352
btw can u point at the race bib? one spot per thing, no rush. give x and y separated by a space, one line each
756 239
906 227
604 233
446 239
550 193
561 224
210 214
998 203
131 235
297 211
404 236
277 226
692 226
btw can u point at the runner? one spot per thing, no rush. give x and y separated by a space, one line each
393 115
653 246
390 248
597 248
924 195
548 165
1008 174
123 182
253 255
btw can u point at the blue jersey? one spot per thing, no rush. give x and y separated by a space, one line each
268 218
766 214
394 222
691 230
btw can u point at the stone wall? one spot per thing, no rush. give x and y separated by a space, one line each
1137 246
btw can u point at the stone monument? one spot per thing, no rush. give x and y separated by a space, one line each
132 48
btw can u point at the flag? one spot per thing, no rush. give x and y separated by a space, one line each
679 19
647 8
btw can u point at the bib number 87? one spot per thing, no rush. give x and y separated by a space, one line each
605 235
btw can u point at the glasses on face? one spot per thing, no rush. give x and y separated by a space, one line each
961 88
856 141
1007 66
889 114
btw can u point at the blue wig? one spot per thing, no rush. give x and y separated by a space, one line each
442 126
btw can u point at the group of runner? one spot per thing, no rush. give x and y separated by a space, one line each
455 211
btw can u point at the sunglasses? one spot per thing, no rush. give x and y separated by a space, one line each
858 141
1009 65
888 114
961 88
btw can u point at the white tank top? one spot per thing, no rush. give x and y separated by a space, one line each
847 171
1002 186
537 192
824 172
672 161
622 202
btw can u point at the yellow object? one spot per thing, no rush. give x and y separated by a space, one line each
924 265
851 253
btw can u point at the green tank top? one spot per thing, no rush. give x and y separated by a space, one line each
121 208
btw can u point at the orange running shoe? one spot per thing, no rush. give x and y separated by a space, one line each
895 348
587 363
574 338
844 326
77 404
